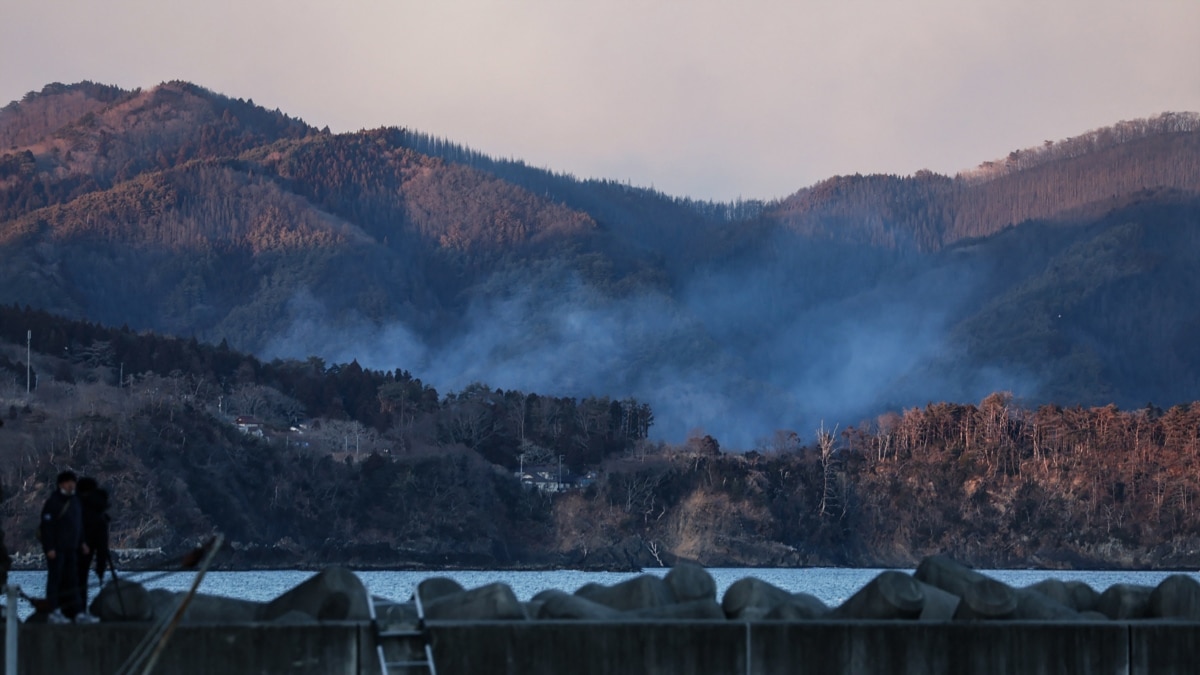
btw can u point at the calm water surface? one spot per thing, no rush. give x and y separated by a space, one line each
831 585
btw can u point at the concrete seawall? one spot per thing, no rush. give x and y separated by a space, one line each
325 649
819 648
943 619
668 647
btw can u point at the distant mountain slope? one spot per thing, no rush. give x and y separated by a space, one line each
183 211
69 141
1091 174
40 114
1104 310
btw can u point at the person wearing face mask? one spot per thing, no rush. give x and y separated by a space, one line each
61 533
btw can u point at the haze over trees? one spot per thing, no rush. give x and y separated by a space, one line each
419 296
378 468
182 211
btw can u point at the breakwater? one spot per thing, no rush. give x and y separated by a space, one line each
664 647
943 618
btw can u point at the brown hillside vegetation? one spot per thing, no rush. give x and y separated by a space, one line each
451 206
993 484
1095 170
39 114
1063 273
163 211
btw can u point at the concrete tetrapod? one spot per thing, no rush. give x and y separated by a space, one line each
203 608
1125 601
798 607
557 604
692 609
391 613
436 587
640 592
1036 606
135 603
122 601
752 598
1074 594
939 605
333 594
1176 597
890 595
492 602
982 597
689 581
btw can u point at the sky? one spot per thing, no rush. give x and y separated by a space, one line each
707 99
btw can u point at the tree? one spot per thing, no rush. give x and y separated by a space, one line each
830 465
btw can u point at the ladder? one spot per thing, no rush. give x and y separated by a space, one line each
404 638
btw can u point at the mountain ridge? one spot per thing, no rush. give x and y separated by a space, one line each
1058 292
180 210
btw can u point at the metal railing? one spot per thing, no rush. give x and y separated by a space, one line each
11 621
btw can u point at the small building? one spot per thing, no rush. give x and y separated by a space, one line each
546 479
248 424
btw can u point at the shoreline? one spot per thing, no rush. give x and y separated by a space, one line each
24 564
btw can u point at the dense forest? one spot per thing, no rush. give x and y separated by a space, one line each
410 321
378 469
1088 174
178 210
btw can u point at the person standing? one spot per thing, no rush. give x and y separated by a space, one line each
5 560
94 502
61 533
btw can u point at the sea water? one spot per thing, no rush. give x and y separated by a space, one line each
833 585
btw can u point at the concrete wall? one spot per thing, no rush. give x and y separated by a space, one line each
912 648
1164 648
326 649
666 647
590 648
793 648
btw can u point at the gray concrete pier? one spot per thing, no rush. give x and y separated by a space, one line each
820 647
246 649
897 624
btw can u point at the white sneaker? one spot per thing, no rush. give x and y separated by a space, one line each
84 617
57 617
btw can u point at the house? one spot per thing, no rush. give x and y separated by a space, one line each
546 479
248 424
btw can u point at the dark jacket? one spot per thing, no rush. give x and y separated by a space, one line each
62 523
5 561
95 521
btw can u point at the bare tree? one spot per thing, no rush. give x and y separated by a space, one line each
829 468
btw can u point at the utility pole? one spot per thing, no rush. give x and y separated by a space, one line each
560 459
28 352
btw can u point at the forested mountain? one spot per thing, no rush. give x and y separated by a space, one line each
1059 273
1078 178
429 317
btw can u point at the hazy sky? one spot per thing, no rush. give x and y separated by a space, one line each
701 98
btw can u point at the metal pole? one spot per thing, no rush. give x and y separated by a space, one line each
10 631
28 346
178 616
